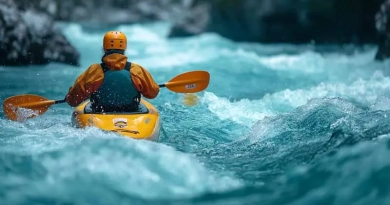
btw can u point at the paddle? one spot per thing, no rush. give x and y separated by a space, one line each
37 105
189 82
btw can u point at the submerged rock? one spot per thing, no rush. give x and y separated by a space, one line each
29 37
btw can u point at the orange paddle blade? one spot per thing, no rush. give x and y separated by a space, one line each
189 82
21 107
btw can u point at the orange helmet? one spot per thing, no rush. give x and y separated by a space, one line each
114 40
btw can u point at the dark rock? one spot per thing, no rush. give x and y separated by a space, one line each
293 21
111 12
193 22
28 37
382 26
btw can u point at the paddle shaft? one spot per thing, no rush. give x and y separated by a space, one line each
59 101
40 104
52 102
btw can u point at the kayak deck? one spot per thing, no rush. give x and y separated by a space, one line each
141 124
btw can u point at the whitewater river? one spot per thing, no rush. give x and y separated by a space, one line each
278 124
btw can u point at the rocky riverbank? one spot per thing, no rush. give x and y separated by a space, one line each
27 36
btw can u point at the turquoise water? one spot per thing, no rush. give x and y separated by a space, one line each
279 124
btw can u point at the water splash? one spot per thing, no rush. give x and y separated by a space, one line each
23 114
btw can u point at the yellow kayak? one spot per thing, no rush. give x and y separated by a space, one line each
143 124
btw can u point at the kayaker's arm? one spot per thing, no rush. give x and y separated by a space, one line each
87 83
144 82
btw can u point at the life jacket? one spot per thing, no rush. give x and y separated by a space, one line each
117 91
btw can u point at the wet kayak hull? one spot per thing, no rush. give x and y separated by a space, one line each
142 124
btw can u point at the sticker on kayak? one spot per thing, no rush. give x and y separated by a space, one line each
190 86
128 131
120 122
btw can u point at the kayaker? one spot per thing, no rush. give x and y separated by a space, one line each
115 84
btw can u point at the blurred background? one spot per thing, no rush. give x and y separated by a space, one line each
26 22
297 110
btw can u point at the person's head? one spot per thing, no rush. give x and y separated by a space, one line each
114 42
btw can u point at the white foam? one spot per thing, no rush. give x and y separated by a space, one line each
23 114
247 111
309 62
155 51
171 61
141 168
136 167
134 33
75 33
138 33
243 111
364 91
305 62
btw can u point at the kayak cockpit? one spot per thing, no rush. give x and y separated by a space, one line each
140 109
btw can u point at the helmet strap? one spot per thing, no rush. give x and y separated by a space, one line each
112 51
